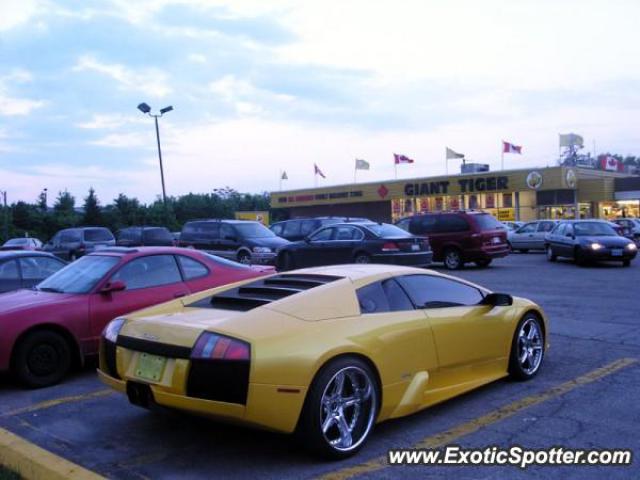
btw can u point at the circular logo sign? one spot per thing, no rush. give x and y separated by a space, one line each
534 180
571 178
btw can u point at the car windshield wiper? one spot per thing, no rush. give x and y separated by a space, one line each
49 289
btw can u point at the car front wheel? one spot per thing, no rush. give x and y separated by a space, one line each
341 409
551 256
42 359
527 348
362 258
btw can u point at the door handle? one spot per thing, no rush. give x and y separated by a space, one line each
179 294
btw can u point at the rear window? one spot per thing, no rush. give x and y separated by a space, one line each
385 230
487 222
17 241
97 235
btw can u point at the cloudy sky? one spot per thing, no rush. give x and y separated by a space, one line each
263 86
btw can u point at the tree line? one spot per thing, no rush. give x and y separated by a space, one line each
41 221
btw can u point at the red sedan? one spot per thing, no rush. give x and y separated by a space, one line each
44 331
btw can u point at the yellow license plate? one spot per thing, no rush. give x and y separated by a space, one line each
150 367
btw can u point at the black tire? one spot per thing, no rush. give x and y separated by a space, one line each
523 250
578 256
510 246
551 256
310 425
484 263
361 257
626 263
517 370
453 259
244 257
286 262
41 359
73 256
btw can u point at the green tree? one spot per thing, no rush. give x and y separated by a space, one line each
92 212
64 213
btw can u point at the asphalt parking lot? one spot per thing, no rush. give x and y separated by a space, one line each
586 396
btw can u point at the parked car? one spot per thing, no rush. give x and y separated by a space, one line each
144 237
325 352
365 242
57 324
630 228
297 229
459 237
589 240
530 236
72 243
22 243
24 269
245 241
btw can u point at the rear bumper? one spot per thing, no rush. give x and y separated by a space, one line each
487 252
268 407
417 259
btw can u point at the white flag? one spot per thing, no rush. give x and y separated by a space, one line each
362 164
570 140
451 154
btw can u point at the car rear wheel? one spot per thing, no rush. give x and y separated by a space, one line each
523 250
527 348
42 359
285 261
453 259
362 258
551 256
340 409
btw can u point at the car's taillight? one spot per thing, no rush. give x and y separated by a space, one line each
211 346
390 247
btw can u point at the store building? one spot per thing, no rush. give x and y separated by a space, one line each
527 194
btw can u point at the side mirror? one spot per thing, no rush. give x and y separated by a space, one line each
116 286
498 300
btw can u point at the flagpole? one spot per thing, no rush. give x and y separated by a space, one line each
502 159
280 180
355 171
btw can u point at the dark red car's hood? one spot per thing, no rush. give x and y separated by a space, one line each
22 300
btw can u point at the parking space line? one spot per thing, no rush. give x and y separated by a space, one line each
58 401
449 436
34 463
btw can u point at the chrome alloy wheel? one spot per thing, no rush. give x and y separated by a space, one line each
530 346
452 260
348 408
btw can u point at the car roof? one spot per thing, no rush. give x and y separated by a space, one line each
23 253
221 220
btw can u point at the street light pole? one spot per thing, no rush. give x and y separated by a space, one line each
6 216
164 192
145 108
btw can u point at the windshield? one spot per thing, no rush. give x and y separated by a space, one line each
253 230
487 222
384 230
593 228
97 235
80 276
17 241
158 234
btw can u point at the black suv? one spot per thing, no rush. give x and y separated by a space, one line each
300 228
144 236
72 243
241 240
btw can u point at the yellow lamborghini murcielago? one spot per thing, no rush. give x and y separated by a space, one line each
324 352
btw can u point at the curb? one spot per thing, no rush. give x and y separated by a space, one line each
34 463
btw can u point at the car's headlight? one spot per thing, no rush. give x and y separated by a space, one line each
261 249
596 246
112 329
632 246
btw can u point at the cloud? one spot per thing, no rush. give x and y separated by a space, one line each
122 140
197 58
109 122
11 105
151 81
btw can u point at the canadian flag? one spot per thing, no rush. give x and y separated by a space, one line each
397 158
607 162
511 148
317 171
